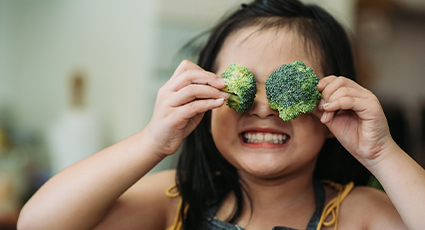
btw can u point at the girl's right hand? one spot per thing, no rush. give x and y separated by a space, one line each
180 105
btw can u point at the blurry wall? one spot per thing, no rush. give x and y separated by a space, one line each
46 41
344 11
5 50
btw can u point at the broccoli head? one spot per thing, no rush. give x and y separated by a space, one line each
241 86
292 90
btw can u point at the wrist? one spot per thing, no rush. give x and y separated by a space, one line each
387 155
154 142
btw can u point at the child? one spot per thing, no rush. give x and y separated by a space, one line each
229 175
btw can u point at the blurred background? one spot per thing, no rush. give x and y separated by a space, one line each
77 76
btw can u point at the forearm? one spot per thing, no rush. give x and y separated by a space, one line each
79 196
404 182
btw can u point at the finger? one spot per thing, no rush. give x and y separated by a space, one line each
193 92
346 92
188 66
358 105
198 106
317 112
327 117
346 103
184 66
325 81
334 83
195 76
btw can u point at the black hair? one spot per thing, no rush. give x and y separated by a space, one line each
204 177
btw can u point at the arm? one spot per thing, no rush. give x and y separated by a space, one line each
80 196
128 213
404 182
361 127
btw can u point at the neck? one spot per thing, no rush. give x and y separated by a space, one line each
282 191
288 199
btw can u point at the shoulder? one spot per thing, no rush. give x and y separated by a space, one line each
155 182
151 190
145 205
369 208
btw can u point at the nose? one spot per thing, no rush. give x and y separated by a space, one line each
261 107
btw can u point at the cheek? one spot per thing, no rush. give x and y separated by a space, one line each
224 133
223 127
218 122
312 133
222 119
215 121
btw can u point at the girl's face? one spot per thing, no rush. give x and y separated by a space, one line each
298 141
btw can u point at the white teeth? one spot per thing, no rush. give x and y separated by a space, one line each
258 137
268 137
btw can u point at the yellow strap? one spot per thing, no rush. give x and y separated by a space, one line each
332 208
177 224
169 194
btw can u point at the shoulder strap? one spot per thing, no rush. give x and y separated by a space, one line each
332 208
177 224
168 191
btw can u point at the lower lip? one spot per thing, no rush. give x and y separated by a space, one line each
263 145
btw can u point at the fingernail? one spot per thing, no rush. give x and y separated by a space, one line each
222 80
323 118
225 95
219 101
324 106
321 104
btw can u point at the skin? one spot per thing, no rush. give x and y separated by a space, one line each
265 167
262 58
109 190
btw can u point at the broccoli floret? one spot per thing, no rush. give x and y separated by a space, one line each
241 86
292 89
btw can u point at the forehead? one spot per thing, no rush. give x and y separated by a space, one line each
263 50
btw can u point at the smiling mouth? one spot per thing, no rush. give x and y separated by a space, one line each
262 137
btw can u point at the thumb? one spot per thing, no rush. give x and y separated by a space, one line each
317 111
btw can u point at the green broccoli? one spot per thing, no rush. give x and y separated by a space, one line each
292 89
241 86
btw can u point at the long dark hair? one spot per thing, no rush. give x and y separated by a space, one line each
204 177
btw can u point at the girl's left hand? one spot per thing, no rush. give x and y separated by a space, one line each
355 117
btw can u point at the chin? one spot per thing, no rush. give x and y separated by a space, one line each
263 171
